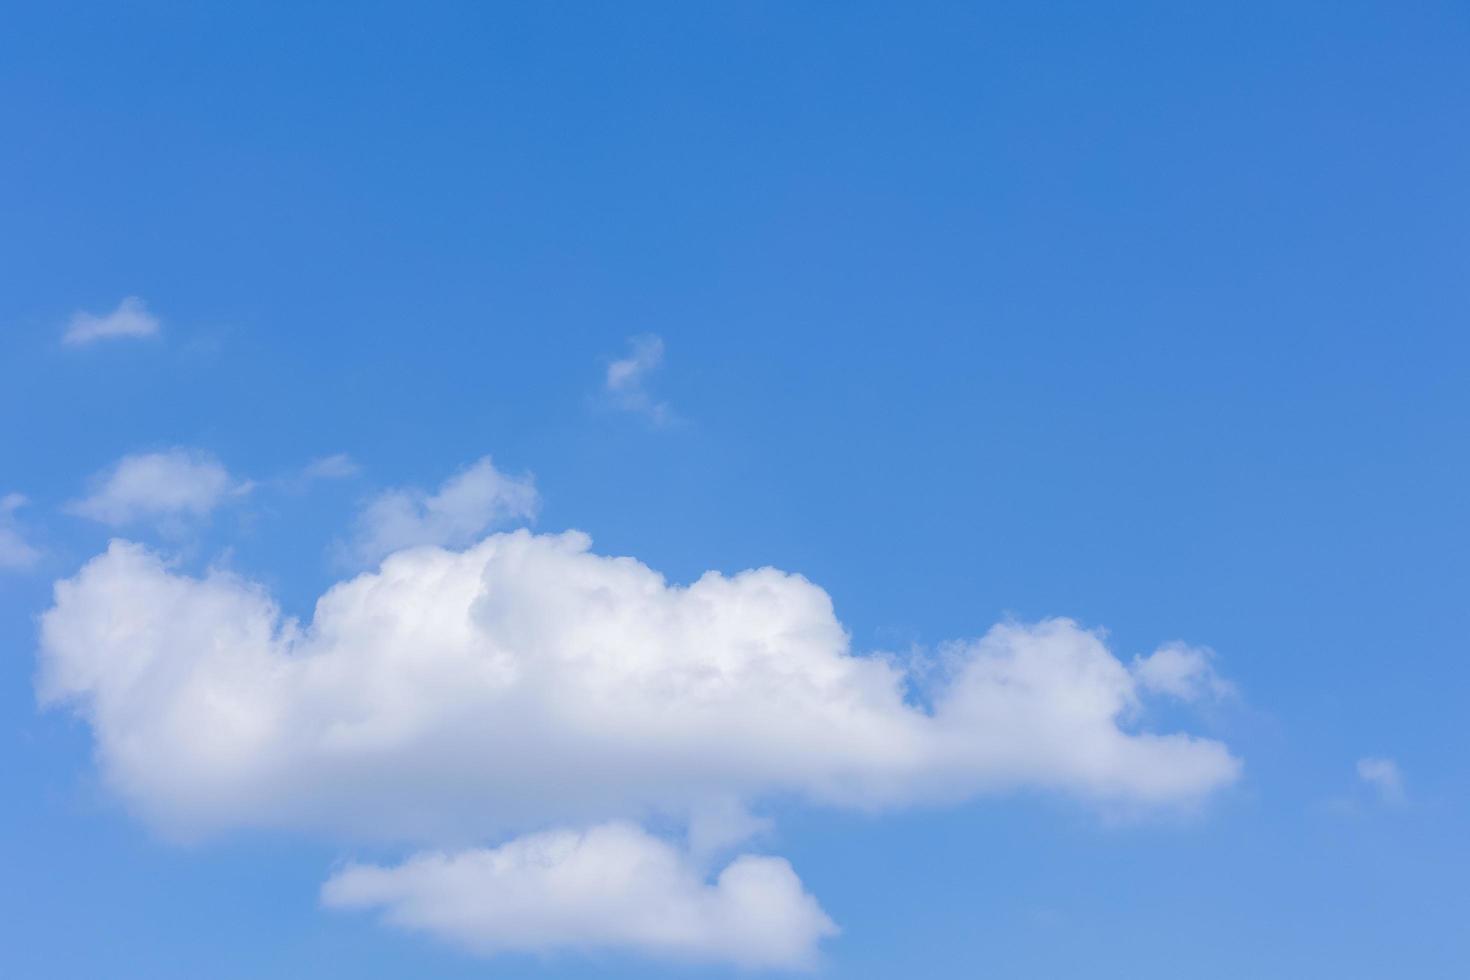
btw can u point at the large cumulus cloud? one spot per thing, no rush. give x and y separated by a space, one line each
455 697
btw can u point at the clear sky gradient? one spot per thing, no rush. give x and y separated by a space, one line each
1150 315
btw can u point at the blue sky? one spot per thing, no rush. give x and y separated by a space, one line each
969 314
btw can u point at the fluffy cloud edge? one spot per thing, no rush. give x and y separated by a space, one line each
467 504
1178 670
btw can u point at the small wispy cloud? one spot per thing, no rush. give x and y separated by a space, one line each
338 466
163 487
465 506
1383 776
130 319
323 469
626 384
1181 671
15 552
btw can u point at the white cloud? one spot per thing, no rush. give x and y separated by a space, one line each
1181 671
610 887
454 697
161 487
434 699
130 319
626 381
1382 774
466 505
15 552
